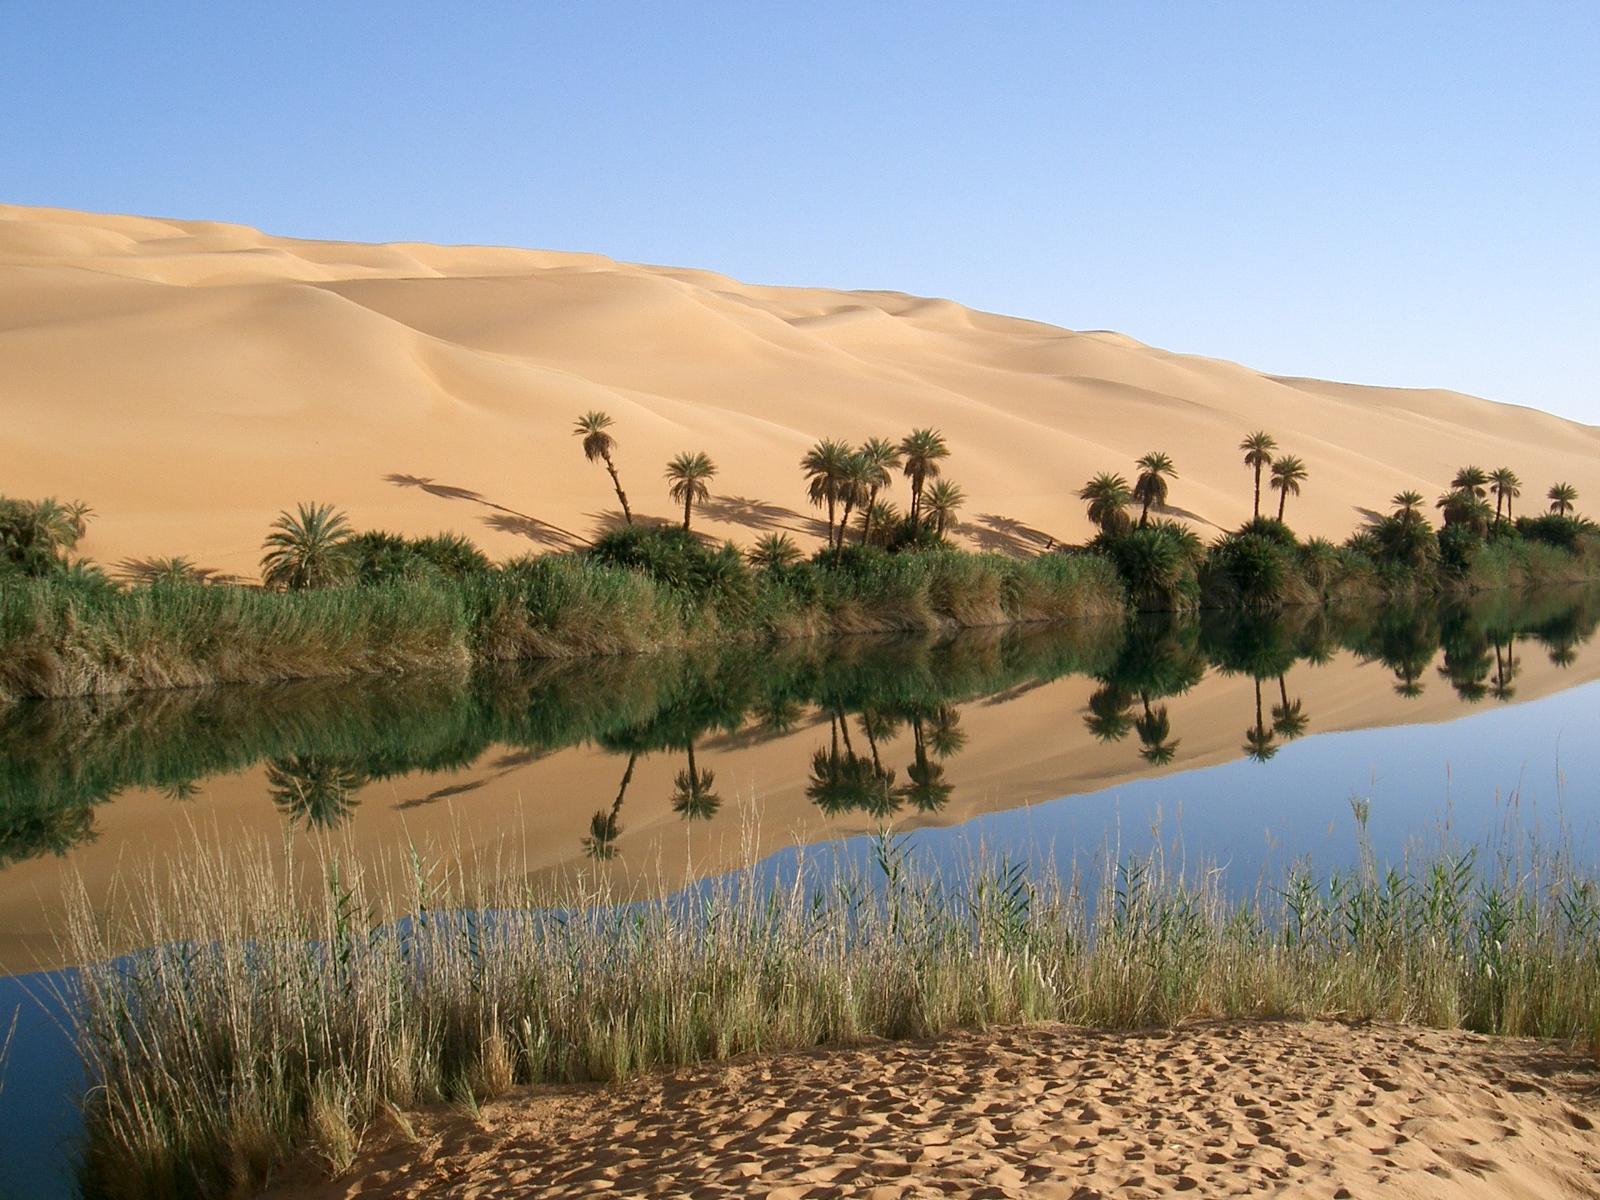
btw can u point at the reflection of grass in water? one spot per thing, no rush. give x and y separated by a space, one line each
276 1015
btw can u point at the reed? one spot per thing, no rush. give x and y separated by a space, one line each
287 1005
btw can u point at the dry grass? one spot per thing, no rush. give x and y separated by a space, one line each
284 1006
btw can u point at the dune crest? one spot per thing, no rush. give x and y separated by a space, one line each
190 379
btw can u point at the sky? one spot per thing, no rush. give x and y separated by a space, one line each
1396 194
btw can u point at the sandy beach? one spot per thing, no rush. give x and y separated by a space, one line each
190 379
1305 1110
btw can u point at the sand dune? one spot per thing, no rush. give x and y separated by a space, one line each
191 379
1318 1110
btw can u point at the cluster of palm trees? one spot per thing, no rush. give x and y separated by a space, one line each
1467 501
843 480
1109 495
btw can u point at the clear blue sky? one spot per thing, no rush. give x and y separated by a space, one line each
1383 193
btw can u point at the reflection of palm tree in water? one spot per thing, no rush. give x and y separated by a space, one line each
1289 718
1108 718
1258 743
314 788
604 830
692 797
842 780
1505 670
1154 729
927 790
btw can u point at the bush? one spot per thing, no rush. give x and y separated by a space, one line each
679 559
1157 564
381 557
1565 533
1459 547
1251 570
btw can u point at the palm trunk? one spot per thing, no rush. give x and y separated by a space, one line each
622 496
830 521
916 500
688 502
1144 515
1283 498
866 517
1258 491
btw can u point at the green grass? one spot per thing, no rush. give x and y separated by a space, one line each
65 636
288 1005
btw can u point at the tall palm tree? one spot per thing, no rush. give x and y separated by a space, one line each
308 550
1259 741
687 475
692 797
881 456
1150 489
1258 448
1562 498
1408 507
597 447
824 467
1505 485
854 488
922 448
943 500
1471 479
1108 498
1288 473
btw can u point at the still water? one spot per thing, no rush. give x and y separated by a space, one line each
1233 739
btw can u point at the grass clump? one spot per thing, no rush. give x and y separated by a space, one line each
285 1005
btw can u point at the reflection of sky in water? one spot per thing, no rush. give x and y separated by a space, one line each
1250 814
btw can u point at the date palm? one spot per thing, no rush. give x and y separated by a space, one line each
605 827
1258 448
1562 498
1108 496
881 456
773 550
1260 740
597 447
1288 473
1471 479
922 448
1505 485
308 550
855 488
686 477
1408 507
824 467
314 788
1150 488
943 500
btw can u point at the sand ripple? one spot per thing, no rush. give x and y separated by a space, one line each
1319 1110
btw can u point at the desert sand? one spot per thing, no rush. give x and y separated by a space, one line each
189 380
1319 1110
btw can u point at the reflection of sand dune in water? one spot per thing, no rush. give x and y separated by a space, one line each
189 380
1027 746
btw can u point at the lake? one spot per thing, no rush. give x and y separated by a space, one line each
1239 740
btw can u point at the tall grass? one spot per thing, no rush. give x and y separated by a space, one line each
285 1004
64 636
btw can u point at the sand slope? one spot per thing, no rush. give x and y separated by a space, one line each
191 379
1318 1110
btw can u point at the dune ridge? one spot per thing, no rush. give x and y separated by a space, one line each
190 379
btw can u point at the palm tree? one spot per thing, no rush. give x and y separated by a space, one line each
944 499
308 550
773 550
1108 718
1505 485
1258 448
824 467
1288 473
1408 508
692 797
927 790
1108 498
881 518
1150 489
922 448
597 447
881 456
1470 479
1562 498
1288 716
855 486
1154 729
687 475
